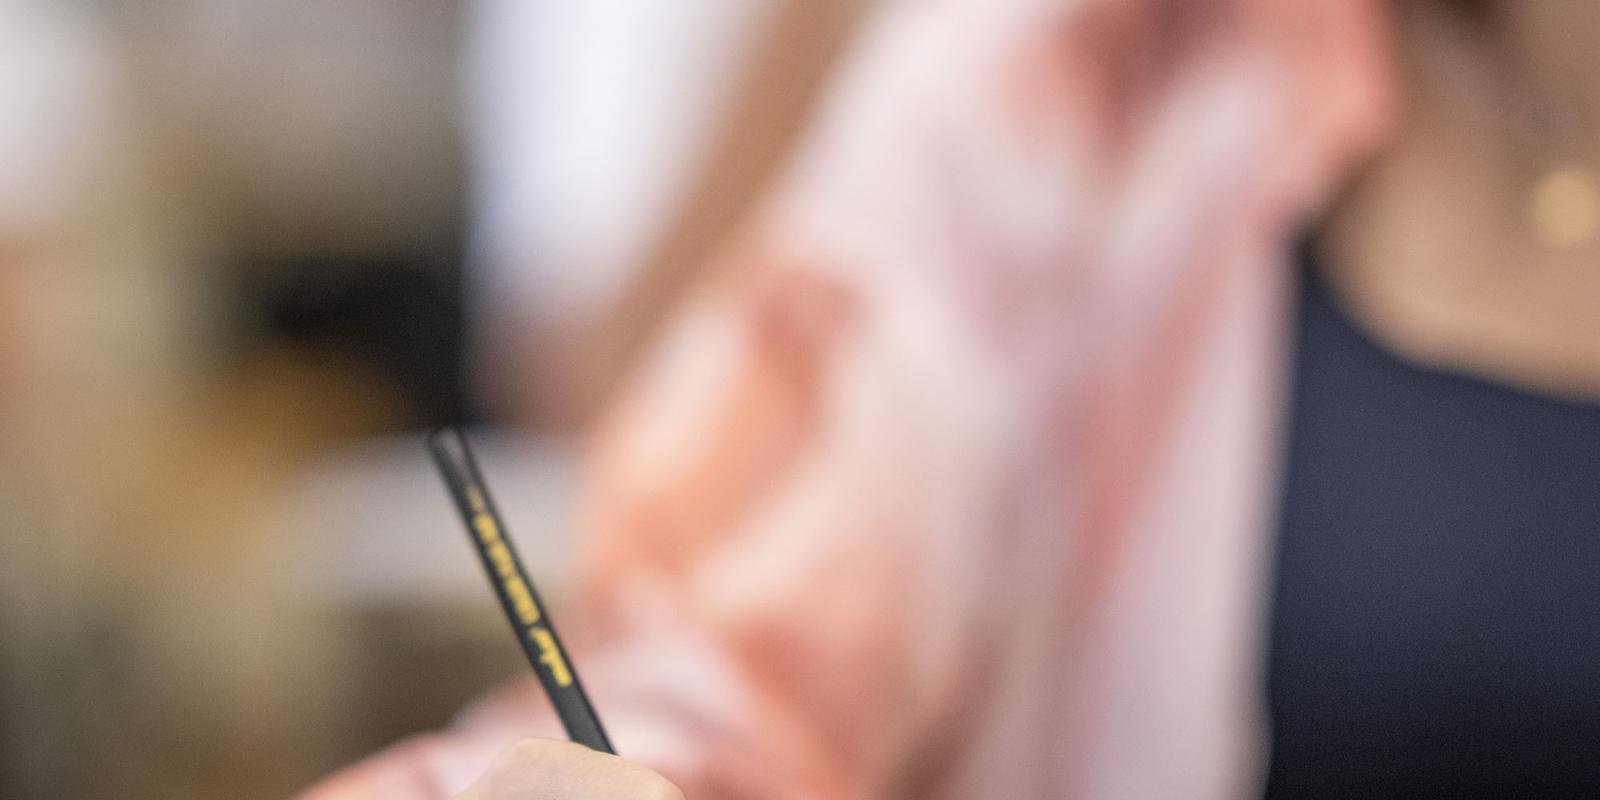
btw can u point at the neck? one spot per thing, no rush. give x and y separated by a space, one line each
1525 71
1548 44
1434 247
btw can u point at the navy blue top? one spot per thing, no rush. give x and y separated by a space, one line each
1436 619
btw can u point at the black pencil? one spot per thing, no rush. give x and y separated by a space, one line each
515 590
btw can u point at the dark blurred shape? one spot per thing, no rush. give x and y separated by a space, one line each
401 318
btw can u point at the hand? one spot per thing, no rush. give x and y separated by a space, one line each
543 769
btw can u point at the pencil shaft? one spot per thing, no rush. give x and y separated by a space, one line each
514 589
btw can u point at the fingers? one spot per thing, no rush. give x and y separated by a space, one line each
544 769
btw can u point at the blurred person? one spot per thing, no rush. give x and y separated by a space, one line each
1017 446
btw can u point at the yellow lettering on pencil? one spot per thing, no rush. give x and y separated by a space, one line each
522 600
488 532
475 499
500 556
550 655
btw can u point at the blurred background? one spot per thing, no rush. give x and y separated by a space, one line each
252 252
249 252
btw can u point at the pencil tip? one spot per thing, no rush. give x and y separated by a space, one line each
447 441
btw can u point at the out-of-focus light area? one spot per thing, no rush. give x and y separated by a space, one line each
248 252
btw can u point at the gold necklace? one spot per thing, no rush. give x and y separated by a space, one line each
1564 207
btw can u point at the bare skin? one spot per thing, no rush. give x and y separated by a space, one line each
542 769
1433 247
